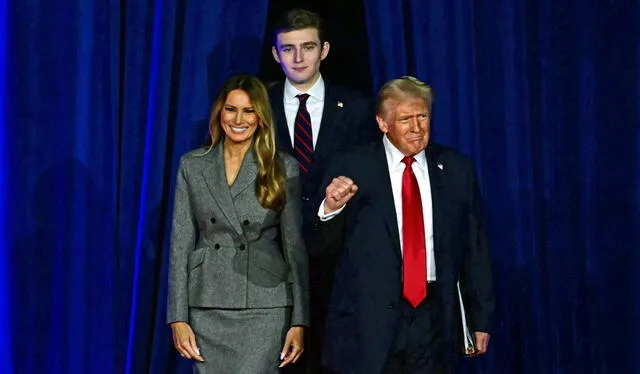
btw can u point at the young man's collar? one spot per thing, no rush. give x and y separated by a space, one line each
316 91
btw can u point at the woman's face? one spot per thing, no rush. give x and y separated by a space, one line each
238 118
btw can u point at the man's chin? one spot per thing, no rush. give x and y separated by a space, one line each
297 79
417 148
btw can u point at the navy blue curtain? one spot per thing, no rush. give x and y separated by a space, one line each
98 101
545 95
5 317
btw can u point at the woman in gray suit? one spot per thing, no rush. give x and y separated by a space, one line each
238 275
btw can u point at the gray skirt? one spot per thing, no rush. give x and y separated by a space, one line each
239 341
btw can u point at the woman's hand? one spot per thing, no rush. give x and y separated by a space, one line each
293 346
185 341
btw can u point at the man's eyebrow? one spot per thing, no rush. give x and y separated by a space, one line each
409 115
305 44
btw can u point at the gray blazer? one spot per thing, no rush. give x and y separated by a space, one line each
227 251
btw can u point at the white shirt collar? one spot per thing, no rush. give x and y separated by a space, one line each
394 156
316 91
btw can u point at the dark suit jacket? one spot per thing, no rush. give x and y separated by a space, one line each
368 280
227 250
348 119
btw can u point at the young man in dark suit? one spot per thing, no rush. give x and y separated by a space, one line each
405 216
315 120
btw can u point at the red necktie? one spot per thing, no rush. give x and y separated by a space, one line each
303 135
414 259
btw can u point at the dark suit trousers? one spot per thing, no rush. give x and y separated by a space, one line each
320 284
417 345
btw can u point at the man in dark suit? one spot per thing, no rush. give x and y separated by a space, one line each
405 216
315 120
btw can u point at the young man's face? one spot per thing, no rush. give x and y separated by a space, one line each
299 53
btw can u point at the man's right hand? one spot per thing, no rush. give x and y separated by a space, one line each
185 341
338 193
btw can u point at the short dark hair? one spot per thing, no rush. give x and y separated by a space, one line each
298 19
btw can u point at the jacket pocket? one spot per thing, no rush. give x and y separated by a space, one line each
274 266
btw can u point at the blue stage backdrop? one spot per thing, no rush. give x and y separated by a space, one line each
98 99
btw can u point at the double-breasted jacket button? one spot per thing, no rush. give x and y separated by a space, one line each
242 247
213 219
217 246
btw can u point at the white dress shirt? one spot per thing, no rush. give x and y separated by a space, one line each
396 169
315 105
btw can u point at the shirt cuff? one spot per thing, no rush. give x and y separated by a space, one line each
325 217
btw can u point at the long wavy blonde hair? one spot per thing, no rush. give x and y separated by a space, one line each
270 182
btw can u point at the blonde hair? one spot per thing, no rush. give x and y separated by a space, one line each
399 89
270 183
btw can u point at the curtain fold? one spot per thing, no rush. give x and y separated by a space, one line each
385 22
5 316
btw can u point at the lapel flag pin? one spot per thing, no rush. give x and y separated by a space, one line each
440 166
340 104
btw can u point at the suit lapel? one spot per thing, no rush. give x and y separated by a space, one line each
436 179
387 207
246 176
331 118
216 180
